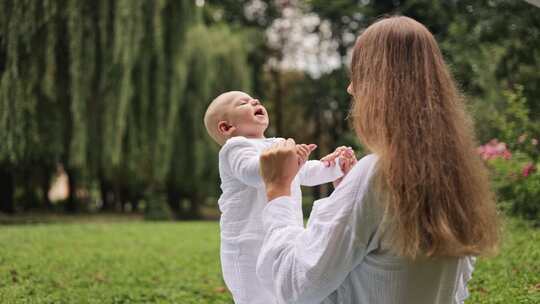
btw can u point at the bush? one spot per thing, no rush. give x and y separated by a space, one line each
157 210
515 179
514 157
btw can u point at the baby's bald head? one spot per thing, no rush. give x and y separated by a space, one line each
235 113
216 112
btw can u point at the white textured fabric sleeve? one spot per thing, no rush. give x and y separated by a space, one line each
304 265
315 173
466 268
243 159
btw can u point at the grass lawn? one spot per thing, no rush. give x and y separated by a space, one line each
143 262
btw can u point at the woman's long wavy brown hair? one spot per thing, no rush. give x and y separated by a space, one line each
409 112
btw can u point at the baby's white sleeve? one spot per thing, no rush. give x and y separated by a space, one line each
242 158
315 173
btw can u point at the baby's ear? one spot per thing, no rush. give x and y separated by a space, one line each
225 128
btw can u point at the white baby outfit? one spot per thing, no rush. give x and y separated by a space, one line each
241 205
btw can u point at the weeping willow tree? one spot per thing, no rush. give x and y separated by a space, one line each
217 62
33 102
114 91
140 93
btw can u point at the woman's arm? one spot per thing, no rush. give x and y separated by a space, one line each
305 265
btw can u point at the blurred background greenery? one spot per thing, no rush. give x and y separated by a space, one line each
101 101
101 106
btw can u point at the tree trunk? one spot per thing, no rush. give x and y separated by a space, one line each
124 198
106 195
45 183
31 201
7 189
134 203
117 197
194 211
173 200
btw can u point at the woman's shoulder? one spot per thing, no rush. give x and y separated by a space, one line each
356 181
352 196
364 168
369 159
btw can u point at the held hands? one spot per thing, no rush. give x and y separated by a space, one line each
279 165
347 161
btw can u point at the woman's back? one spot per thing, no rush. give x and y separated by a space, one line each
435 206
385 278
344 254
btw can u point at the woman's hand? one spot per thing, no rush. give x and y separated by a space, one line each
279 165
330 159
347 161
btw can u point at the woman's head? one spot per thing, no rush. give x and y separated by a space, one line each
408 110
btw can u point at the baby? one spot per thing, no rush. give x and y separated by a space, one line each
237 122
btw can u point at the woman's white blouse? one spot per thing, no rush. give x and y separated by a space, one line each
343 255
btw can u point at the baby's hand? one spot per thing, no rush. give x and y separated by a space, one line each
303 151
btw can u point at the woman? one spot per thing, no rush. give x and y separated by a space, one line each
402 225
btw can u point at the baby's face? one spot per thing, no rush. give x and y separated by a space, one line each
247 115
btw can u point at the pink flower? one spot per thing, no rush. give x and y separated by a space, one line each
534 141
500 147
528 169
494 149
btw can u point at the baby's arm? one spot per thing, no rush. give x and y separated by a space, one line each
315 173
243 160
337 165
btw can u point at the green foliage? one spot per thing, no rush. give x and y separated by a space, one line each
179 263
21 31
513 122
517 192
491 48
114 90
515 178
216 61
157 210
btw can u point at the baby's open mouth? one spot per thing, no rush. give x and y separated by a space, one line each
259 112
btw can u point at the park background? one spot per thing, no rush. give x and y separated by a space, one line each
109 183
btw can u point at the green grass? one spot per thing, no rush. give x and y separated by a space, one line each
514 275
137 262
140 262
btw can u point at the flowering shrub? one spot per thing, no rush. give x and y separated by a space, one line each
494 149
514 158
515 176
